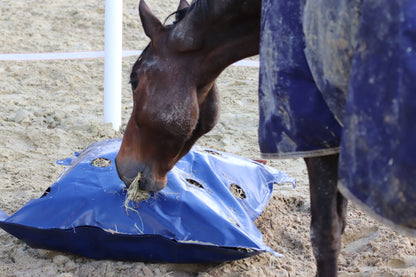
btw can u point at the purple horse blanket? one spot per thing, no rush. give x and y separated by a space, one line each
339 76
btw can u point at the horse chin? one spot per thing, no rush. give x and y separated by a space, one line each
144 183
152 184
140 176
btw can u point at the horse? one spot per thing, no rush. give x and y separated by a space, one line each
176 101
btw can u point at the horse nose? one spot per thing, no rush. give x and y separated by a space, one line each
142 174
149 183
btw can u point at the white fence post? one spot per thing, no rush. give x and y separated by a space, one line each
113 62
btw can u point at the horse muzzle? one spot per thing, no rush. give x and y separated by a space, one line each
131 172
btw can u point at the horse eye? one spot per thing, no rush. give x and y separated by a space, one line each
134 84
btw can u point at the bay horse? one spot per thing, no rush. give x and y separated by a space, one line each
175 102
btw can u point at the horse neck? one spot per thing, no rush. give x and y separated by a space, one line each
236 33
231 32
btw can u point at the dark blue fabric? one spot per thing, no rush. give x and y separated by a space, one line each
330 27
83 212
294 118
378 153
358 57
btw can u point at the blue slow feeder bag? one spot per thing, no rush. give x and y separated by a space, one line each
195 219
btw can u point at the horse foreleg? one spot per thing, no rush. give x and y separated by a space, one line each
328 213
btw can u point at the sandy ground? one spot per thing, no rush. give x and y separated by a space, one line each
49 109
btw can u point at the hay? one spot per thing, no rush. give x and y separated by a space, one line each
134 193
101 162
237 191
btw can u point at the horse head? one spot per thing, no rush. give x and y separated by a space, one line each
174 92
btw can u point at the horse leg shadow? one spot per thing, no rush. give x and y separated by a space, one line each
328 212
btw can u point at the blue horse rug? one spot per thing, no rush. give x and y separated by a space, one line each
205 213
340 77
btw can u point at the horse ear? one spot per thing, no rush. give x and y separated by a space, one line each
183 4
151 24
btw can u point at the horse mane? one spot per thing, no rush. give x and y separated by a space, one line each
199 5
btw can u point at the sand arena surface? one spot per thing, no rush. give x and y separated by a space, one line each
48 109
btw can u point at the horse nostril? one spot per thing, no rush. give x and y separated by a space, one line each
136 181
135 191
139 182
143 184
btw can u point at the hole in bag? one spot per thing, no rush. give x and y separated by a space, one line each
47 191
101 162
212 152
195 183
237 191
